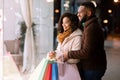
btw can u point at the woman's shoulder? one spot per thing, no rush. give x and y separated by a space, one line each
77 32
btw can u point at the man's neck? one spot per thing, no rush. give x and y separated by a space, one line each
90 17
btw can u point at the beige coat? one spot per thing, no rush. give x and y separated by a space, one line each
68 71
72 42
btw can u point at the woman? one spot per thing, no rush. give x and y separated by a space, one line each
69 38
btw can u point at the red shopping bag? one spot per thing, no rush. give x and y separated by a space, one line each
48 72
51 72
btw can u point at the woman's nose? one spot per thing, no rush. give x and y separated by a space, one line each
63 24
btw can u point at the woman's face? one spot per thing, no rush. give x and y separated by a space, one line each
66 23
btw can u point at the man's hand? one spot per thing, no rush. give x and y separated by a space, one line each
63 57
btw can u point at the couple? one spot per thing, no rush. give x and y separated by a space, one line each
82 52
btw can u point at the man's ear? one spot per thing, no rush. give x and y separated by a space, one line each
89 13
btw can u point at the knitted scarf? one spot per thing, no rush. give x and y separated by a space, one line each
62 36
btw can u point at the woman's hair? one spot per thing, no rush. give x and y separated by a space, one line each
74 22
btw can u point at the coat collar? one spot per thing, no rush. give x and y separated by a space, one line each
77 32
89 21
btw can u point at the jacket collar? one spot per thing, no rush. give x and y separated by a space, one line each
89 21
77 32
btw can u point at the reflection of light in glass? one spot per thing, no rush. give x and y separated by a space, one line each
57 11
5 19
105 21
49 0
51 18
115 1
94 3
18 14
37 9
1 15
16 1
109 11
67 4
11 8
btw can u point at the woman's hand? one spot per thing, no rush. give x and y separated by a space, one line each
51 54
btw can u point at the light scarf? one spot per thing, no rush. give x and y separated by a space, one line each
62 36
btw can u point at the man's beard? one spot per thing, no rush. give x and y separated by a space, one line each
84 19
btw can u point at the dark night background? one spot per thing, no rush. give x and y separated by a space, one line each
113 18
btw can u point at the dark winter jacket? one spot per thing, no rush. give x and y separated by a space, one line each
92 54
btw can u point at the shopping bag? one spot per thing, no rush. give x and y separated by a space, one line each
54 71
42 70
60 68
36 73
51 72
48 72
69 72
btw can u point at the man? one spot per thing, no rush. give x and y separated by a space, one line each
92 55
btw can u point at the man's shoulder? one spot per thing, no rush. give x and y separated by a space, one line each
91 21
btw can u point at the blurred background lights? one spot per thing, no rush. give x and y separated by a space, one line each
109 11
57 11
116 1
105 21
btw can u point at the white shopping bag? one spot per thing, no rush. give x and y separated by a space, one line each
61 69
68 72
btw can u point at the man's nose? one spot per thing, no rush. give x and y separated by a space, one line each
77 14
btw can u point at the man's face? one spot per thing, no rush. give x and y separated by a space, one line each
82 13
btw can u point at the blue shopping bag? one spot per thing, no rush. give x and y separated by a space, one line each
54 71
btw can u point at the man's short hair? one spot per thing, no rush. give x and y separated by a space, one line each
90 6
